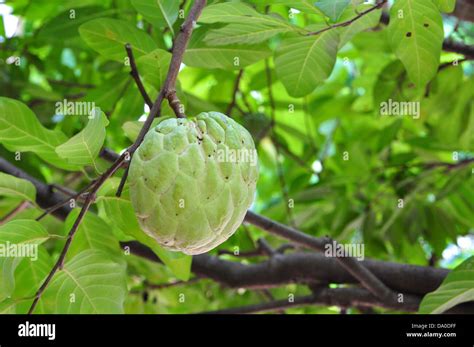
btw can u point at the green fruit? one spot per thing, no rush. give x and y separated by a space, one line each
192 181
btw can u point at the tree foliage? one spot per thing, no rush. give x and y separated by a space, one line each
362 114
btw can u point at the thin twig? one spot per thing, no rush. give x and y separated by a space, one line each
350 21
94 187
123 180
285 247
60 262
451 63
234 93
10 215
64 190
441 68
136 76
64 202
293 156
265 247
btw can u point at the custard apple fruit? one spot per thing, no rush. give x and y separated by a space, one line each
192 181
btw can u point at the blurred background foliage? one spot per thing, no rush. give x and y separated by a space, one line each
344 167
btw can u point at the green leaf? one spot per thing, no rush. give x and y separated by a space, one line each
416 35
332 8
93 233
17 236
154 66
446 6
109 92
467 140
21 131
247 33
160 13
7 306
63 26
302 63
237 12
389 83
90 283
124 219
84 147
457 287
109 36
388 134
29 276
247 26
17 187
229 57
306 6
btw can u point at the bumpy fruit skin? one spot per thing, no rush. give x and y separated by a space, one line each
186 194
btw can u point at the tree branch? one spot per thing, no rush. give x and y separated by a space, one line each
281 269
355 268
309 267
305 268
175 104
